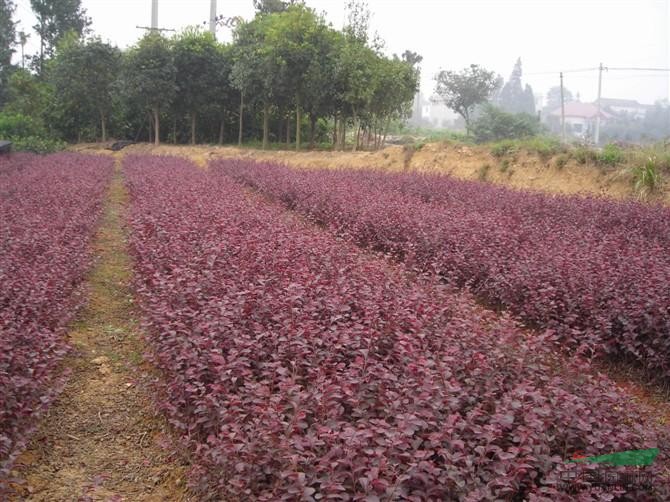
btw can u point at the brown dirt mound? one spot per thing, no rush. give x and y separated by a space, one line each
520 170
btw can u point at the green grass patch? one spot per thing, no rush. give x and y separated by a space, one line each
543 146
647 177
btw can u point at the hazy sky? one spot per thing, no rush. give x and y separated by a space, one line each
548 35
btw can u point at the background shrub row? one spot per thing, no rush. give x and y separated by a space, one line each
594 272
49 207
297 367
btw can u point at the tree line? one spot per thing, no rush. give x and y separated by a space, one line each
287 76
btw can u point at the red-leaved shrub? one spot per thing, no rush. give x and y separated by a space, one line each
48 210
298 368
594 272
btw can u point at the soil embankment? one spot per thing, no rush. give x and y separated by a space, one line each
521 169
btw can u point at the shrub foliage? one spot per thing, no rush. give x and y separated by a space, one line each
596 273
298 367
48 210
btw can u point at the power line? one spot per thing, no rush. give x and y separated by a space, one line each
639 69
154 29
596 68
557 72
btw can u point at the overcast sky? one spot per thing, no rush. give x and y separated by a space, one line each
548 35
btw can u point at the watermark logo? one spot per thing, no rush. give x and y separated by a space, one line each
620 471
638 458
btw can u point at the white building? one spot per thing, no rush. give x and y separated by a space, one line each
580 118
628 107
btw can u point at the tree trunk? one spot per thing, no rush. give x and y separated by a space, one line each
239 136
335 126
297 122
41 49
356 132
157 133
266 125
288 130
280 128
222 128
174 130
139 131
466 117
103 126
343 133
151 128
386 130
312 130
193 119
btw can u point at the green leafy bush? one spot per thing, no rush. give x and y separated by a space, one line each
15 125
37 144
495 125
585 155
611 155
544 146
502 148
27 134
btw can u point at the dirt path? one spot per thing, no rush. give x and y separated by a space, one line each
102 439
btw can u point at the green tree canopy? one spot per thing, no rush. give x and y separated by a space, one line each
463 91
55 18
293 39
28 96
196 55
494 124
84 74
150 76
272 6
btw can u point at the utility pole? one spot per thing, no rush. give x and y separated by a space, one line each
154 20
212 18
600 89
562 111
154 14
23 39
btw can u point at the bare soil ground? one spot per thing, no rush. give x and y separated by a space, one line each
521 170
102 440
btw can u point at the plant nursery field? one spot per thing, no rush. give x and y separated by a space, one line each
354 335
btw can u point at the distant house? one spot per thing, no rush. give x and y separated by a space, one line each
628 107
580 118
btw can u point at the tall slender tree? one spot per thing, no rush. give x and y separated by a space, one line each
195 57
54 19
7 42
463 91
150 77
294 37
513 97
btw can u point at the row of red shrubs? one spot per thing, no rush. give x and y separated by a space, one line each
49 207
595 273
297 367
